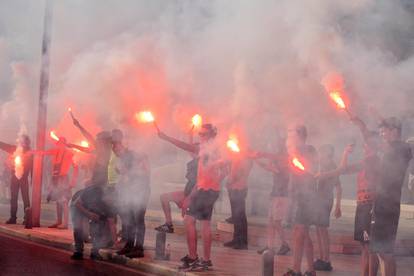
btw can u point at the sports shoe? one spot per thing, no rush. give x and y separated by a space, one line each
11 221
320 265
292 273
283 250
229 244
96 257
240 246
166 228
201 265
187 262
126 249
310 273
135 253
77 256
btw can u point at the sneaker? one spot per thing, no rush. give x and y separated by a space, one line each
125 250
77 256
319 265
283 250
55 225
186 258
11 221
328 266
229 220
310 273
96 257
135 253
292 273
201 265
229 244
166 228
262 250
240 246
187 262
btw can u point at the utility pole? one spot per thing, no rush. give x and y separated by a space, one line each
37 176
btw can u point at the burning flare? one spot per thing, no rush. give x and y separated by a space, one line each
232 144
298 164
85 144
145 117
18 161
197 120
54 136
336 97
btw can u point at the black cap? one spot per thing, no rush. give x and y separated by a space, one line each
391 123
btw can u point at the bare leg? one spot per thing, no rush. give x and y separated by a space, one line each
373 264
206 233
298 246
280 231
389 265
191 233
364 260
271 232
65 207
165 199
308 250
325 244
320 244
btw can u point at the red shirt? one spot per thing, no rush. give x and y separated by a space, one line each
62 160
210 173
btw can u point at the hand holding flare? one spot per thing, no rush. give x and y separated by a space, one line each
147 117
54 136
336 97
197 121
233 145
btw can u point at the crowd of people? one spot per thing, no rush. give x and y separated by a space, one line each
301 197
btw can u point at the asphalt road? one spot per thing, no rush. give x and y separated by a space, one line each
20 258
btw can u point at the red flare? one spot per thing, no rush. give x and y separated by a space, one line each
336 97
298 164
197 120
233 145
18 161
54 136
145 117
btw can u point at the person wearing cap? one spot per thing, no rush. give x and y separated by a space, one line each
22 165
199 205
303 187
395 157
61 188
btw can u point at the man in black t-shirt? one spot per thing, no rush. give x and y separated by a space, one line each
395 157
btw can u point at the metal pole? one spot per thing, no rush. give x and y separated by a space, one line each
42 115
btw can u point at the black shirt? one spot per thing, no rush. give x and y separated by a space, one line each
96 199
326 186
394 163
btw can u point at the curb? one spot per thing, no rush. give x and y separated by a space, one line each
108 255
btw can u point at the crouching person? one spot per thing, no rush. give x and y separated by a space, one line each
94 203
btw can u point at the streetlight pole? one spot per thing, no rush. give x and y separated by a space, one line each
42 115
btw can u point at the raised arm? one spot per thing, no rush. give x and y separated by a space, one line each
7 147
178 143
361 125
268 166
83 149
85 133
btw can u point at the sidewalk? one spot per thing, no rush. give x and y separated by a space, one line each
226 261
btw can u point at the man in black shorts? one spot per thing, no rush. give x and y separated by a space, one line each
395 157
303 187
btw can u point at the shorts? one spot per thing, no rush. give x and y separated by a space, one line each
384 228
201 205
324 209
60 189
362 226
278 208
305 210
